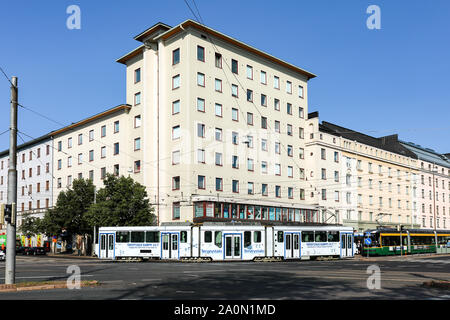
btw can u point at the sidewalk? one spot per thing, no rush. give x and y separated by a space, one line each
409 256
69 256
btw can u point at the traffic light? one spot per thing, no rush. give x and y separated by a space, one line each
8 213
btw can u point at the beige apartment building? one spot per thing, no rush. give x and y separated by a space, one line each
225 126
109 142
368 182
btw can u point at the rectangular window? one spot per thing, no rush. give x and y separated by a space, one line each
235 186
219 184
176 157
102 173
277 126
176 131
263 100
200 130
249 118
218 60
264 189
103 152
301 113
200 105
200 53
176 183
176 82
250 187
137 99
263 77
200 79
234 114
116 148
201 156
176 210
137 144
218 85
176 56
249 72
116 126
234 90
288 87
235 137
137 121
91 155
276 104
300 92
276 82
234 66
218 157
218 134
249 95
289 108
263 122
218 110
235 162
201 182
176 107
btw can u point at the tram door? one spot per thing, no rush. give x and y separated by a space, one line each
346 245
233 246
107 245
292 246
169 246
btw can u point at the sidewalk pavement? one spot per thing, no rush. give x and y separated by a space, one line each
69 256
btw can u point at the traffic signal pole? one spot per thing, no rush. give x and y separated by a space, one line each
10 268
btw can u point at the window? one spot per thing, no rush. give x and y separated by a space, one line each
80 139
218 134
235 186
234 66
218 157
137 121
301 133
103 152
276 82
218 85
116 170
200 79
277 148
290 192
290 151
176 82
137 98
249 118
290 171
264 189
249 72
91 155
200 53
264 144
301 113
263 166
250 164
288 87
263 77
250 187
91 135
249 95
59 149
175 183
218 110
102 173
278 191
137 144
300 92
323 154
234 114
277 126
263 122
176 107
201 156
116 148
200 130
263 100
276 103
235 137
235 162
200 105
176 210
218 60
219 184
324 194
69 145
289 108
176 56
289 130
201 182
116 126
277 169
234 90
176 131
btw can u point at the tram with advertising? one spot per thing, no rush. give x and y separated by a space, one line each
385 241
220 241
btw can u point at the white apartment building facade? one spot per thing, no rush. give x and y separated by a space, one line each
226 123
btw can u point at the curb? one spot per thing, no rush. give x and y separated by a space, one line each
56 285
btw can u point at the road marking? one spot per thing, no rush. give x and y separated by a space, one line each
43 277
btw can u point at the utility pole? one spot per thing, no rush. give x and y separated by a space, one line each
10 269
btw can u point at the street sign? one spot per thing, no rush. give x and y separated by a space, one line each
368 241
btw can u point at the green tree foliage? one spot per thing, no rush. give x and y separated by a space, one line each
122 202
30 225
70 210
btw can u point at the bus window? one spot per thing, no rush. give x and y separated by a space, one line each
333 236
183 236
280 236
257 237
122 236
208 236
307 236
218 239
320 236
247 238
151 236
137 236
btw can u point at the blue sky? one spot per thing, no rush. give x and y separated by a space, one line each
379 82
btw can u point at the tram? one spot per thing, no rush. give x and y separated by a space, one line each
220 241
409 241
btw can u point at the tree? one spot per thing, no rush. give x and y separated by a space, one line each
122 202
30 225
70 210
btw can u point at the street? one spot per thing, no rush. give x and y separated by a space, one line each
401 278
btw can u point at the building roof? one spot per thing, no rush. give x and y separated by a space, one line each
92 118
169 32
427 154
388 143
27 144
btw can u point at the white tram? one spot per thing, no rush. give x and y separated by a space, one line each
224 241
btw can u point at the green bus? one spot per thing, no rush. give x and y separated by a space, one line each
408 241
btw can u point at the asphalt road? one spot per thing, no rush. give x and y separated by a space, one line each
400 278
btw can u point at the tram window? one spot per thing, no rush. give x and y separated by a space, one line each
333 236
307 236
257 237
321 236
137 236
218 238
443 239
208 236
103 242
280 236
390 240
152 236
247 238
183 236
122 236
